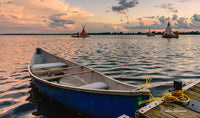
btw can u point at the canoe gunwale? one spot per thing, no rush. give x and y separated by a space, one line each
99 91
133 92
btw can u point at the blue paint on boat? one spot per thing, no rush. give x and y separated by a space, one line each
93 104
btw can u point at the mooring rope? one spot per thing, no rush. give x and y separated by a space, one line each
174 96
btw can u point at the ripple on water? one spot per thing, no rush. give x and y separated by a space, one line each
22 71
6 104
20 111
22 78
18 87
15 95
6 82
15 75
3 78
2 71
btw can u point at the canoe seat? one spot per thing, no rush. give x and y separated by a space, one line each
64 83
96 85
48 65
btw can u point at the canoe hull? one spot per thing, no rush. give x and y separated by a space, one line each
112 102
93 104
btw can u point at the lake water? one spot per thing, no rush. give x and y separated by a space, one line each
127 58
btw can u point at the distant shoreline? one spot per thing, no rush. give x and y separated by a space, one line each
107 33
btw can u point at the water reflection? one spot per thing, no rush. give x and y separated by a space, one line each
49 108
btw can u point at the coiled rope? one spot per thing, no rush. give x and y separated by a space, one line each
174 96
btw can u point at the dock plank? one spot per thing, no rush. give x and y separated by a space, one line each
173 110
158 113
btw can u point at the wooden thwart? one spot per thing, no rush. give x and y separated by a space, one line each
58 69
56 77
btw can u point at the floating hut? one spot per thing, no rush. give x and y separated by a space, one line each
150 33
83 34
168 32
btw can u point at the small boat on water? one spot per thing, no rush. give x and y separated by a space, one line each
169 34
150 33
83 34
82 88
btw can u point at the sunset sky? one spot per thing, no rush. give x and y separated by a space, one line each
66 16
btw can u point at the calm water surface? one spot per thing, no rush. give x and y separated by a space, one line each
129 59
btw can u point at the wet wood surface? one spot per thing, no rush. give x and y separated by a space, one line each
173 110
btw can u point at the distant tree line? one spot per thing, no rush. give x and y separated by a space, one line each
110 33
142 33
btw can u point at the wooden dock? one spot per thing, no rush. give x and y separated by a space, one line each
161 109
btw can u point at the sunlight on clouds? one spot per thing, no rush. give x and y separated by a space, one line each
30 12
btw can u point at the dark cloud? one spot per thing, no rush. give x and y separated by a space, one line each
141 22
15 17
127 22
182 23
145 27
162 25
6 2
109 27
163 19
177 23
169 7
196 17
195 21
155 25
174 17
124 4
56 21
149 17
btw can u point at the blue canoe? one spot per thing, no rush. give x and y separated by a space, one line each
83 89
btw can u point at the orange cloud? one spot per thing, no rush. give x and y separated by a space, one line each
38 12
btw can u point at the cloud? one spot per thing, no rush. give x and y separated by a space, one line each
196 17
169 7
183 0
45 13
57 21
195 21
149 17
124 5
182 23
174 17
163 19
159 23
141 23
110 27
15 17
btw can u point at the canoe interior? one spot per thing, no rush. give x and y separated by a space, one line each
42 57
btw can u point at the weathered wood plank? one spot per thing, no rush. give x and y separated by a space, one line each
157 113
177 110
194 92
173 110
